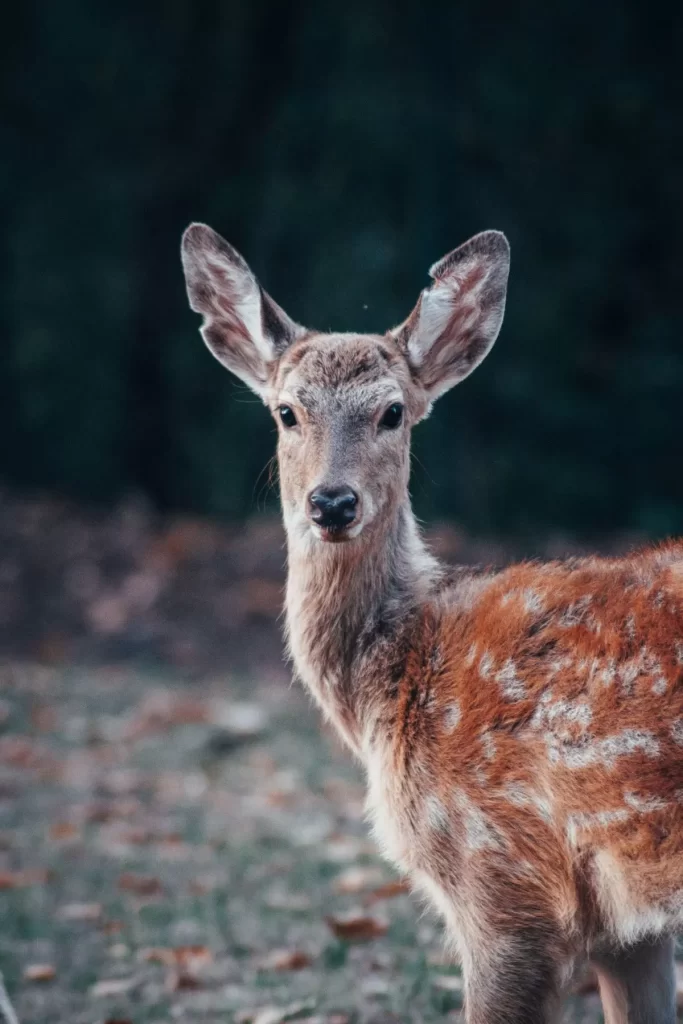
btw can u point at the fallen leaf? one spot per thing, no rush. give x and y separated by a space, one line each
40 972
62 831
112 927
356 927
22 879
80 912
388 891
177 981
157 955
141 885
286 960
190 958
111 987
100 811
117 1020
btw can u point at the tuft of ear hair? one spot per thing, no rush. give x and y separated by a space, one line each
243 327
457 319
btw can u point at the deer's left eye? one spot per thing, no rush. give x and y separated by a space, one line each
392 417
287 416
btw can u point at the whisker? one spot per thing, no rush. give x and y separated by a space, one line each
268 483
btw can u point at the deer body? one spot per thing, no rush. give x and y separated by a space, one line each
521 730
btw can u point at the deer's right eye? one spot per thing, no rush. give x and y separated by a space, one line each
392 417
287 416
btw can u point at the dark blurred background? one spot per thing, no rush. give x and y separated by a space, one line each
344 148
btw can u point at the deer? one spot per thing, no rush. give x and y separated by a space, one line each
520 729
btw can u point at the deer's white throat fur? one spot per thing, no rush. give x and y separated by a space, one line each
337 594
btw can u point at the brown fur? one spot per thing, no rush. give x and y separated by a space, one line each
522 731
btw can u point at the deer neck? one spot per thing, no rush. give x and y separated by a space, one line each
343 600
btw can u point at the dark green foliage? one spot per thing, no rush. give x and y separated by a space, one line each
343 149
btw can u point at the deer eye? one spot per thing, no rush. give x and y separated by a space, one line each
287 416
392 417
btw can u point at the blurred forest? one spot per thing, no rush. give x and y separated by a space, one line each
343 149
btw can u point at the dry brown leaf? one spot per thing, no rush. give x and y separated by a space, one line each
40 972
118 1020
100 811
388 891
157 955
63 831
177 981
22 879
80 912
141 885
357 927
189 958
112 927
161 710
286 960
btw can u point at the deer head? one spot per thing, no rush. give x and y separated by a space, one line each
345 403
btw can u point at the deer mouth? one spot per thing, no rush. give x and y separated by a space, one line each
337 534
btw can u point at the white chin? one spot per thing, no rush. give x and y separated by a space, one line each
337 537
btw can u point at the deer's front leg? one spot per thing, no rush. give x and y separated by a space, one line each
512 979
638 983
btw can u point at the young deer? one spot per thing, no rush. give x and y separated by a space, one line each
522 730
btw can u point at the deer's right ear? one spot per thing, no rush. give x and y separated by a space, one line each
243 327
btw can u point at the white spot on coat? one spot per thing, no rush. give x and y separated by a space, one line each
521 795
489 745
576 612
452 716
480 834
644 803
603 751
598 819
533 602
485 665
511 686
471 655
437 815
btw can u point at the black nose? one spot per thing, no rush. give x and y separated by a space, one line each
334 507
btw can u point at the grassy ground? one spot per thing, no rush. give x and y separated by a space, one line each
192 852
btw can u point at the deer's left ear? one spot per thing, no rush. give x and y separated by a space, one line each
457 319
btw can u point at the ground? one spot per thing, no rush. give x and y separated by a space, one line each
194 852
179 837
